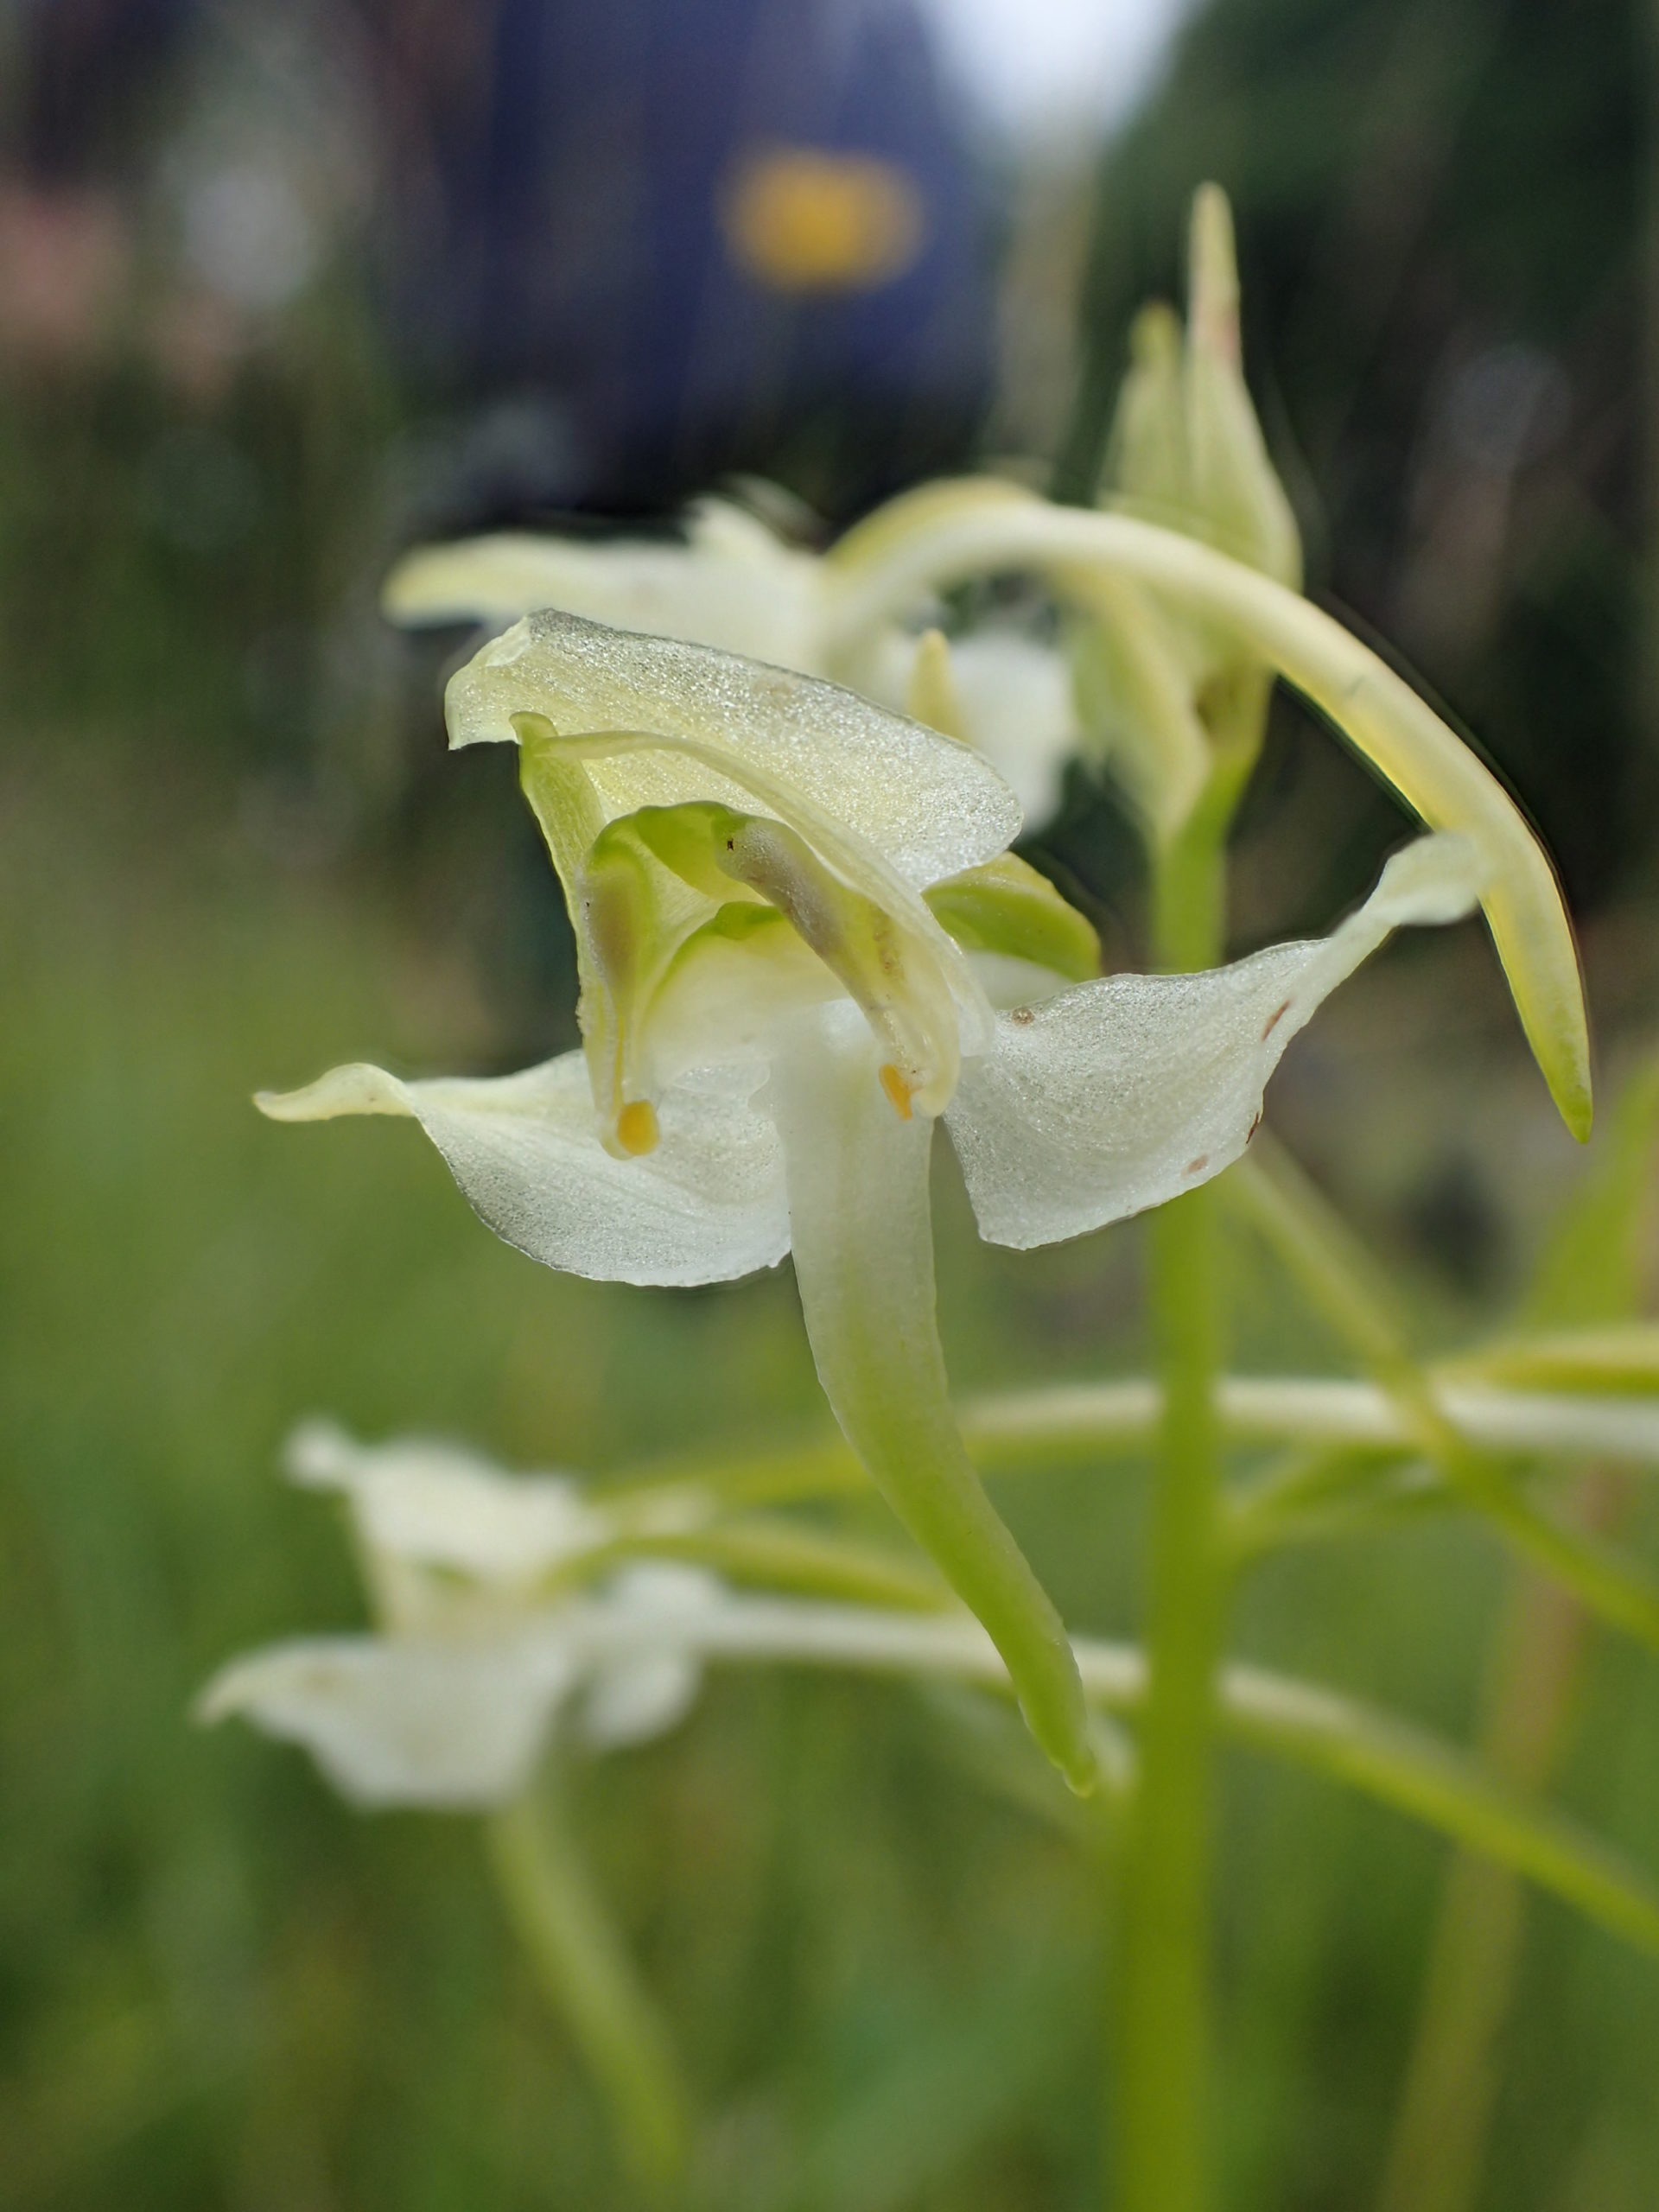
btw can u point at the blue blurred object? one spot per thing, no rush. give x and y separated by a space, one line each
620 247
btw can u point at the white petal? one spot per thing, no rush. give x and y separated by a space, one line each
928 806
1116 1095
637 1699
399 1722
1018 710
706 1206
632 1699
436 1505
733 585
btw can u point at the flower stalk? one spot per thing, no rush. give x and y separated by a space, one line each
591 1985
1164 2063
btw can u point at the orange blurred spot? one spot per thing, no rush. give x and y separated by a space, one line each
802 220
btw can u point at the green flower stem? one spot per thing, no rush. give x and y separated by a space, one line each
1311 1487
1534 1679
1162 2128
590 1983
1391 1761
1318 1250
771 1555
1020 1432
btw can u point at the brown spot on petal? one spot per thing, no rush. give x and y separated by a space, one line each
1197 1167
1023 1016
1274 1020
1256 1123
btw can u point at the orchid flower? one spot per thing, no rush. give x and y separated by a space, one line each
451 1704
1185 605
733 583
794 911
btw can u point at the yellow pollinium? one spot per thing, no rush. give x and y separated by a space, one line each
636 1130
897 1091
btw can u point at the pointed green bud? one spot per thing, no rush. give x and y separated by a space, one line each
1234 490
1146 460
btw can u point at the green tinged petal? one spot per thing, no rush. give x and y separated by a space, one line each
646 888
1007 908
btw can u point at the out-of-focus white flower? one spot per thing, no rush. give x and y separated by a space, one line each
732 582
453 1703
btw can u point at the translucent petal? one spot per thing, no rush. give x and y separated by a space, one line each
705 1205
397 1721
1114 1095
929 806
438 1505
732 584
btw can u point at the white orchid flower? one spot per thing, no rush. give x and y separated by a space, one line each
1161 691
453 1703
792 910
732 583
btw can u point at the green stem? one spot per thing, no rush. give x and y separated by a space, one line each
1163 2123
1318 1250
591 1984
